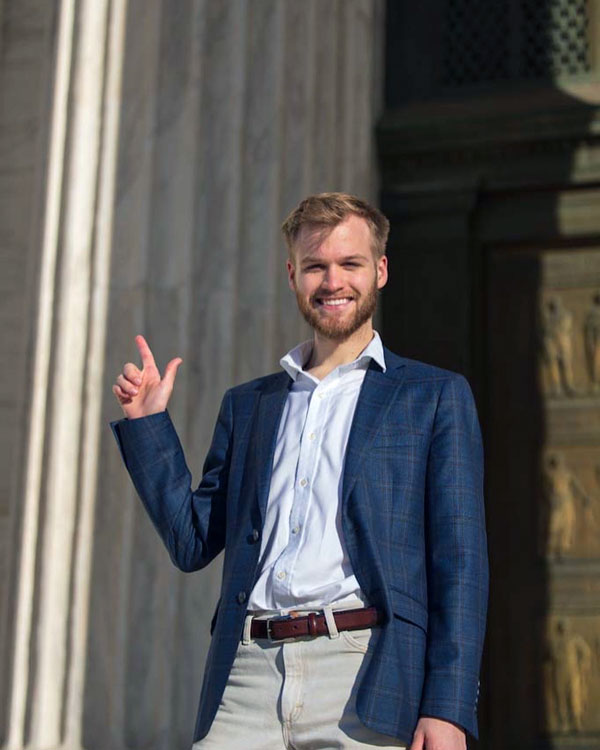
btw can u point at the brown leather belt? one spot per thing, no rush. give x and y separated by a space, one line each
314 624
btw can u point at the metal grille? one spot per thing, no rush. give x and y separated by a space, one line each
488 41
476 48
555 38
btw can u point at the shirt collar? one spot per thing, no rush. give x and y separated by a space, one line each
293 362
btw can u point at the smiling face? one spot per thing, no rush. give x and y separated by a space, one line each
336 277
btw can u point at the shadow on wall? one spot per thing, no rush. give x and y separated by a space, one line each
489 173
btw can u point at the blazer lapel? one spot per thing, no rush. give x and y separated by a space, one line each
270 409
377 395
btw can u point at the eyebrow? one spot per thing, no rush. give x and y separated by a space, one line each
346 259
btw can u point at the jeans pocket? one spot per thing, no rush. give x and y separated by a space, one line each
357 640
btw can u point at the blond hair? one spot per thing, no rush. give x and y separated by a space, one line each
327 210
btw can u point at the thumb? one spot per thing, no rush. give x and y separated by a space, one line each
171 371
417 743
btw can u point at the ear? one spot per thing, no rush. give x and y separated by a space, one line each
291 272
382 271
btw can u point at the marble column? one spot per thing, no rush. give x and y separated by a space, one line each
52 518
149 151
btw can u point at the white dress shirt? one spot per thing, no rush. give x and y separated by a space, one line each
303 558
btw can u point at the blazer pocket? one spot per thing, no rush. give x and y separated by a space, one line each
407 608
388 441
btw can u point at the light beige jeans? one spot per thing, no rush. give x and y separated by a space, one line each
295 694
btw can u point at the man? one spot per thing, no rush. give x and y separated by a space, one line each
346 491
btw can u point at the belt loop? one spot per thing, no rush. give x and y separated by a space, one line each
246 637
330 620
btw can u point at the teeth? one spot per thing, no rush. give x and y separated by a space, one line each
335 301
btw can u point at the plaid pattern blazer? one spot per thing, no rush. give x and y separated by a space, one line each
413 523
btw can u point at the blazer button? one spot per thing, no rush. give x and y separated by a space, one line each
254 536
241 597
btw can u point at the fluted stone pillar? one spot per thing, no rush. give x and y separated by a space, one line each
51 515
149 153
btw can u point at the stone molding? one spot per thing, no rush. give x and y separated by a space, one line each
476 138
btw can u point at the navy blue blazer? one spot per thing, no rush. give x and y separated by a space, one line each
412 518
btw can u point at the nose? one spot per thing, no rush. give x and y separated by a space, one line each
332 280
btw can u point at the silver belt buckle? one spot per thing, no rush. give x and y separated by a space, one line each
277 619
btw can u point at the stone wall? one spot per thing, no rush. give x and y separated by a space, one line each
149 151
490 175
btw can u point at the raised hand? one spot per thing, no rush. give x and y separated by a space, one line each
144 392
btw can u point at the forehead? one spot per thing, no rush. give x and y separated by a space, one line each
350 237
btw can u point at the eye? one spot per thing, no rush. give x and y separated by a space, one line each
313 267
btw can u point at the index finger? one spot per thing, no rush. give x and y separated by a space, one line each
144 350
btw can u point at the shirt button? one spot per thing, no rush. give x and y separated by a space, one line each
281 575
254 536
312 436
241 597
321 395
295 530
303 482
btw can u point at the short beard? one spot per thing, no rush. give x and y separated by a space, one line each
332 329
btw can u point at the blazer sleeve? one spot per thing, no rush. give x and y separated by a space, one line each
190 523
457 564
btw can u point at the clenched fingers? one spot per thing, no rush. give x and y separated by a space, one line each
123 398
126 386
132 373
